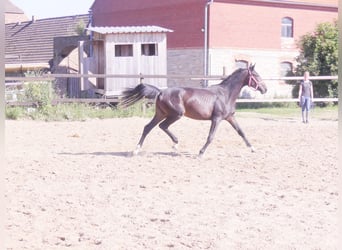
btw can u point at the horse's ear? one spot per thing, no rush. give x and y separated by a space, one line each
251 68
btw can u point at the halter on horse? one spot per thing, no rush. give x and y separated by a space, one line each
215 103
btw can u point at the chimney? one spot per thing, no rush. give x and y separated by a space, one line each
33 19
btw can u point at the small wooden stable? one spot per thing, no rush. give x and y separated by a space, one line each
129 50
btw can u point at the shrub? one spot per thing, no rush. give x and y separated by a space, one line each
39 92
14 113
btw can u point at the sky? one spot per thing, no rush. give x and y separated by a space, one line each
53 8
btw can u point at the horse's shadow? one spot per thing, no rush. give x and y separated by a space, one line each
129 154
118 154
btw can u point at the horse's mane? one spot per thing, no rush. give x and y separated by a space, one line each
231 76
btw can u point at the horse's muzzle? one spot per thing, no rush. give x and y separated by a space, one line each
262 89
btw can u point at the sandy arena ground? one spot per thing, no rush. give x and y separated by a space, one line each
73 185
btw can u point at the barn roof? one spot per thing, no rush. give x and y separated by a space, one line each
31 42
129 29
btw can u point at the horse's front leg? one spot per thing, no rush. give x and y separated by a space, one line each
213 127
236 126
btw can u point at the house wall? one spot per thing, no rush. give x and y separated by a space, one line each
222 60
238 30
267 65
251 26
185 17
231 21
185 62
253 33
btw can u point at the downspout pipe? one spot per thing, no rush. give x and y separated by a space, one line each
206 36
90 24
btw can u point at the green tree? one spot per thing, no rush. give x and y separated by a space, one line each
80 28
319 56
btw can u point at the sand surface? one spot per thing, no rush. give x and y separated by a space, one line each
73 185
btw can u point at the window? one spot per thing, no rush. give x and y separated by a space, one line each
123 50
149 49
286 27
241 64
285 68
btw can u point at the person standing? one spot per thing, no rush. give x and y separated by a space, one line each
305 96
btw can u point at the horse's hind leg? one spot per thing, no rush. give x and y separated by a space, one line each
236 126
165 127
147 129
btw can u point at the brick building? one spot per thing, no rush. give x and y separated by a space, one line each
211 35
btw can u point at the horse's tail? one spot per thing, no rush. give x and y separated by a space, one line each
133 95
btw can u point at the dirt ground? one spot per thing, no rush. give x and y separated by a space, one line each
74 185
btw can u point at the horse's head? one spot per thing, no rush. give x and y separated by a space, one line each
254 80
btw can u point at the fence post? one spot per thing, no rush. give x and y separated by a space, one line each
144 106
224 71
80 64
141 78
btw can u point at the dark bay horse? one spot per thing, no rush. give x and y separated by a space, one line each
215 103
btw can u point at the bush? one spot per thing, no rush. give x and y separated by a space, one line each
319 56
14 113
40 93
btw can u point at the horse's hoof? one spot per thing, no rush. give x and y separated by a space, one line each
253 149
136 151
175 147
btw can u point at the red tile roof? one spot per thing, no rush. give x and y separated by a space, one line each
32 41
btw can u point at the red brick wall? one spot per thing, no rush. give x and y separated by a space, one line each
251 26
185 17
233 23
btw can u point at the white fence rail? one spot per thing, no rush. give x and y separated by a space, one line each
284 100
48 77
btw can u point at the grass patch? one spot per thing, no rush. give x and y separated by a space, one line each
82 112
14 113
329 112
77 112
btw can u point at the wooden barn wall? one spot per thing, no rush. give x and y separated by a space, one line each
137 63
73 88
99 55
